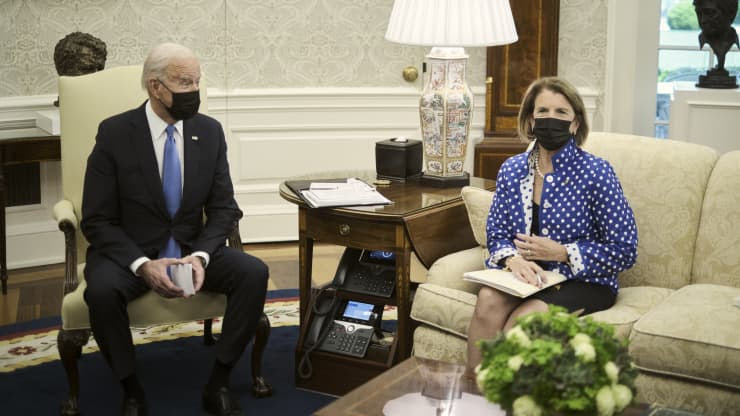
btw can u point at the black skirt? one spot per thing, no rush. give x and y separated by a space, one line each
575 295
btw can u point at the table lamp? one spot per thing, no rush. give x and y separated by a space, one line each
446 104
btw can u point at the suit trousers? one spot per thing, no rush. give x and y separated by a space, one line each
110 287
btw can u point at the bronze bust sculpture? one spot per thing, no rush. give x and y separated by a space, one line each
79 54
715 19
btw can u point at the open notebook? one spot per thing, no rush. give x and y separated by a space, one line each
507 282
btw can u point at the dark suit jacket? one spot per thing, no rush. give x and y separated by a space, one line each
123 209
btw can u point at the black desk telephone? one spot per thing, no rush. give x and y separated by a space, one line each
345 326
366 272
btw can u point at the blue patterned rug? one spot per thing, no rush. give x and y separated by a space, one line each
173 366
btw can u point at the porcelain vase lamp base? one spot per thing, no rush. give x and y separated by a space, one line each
445 109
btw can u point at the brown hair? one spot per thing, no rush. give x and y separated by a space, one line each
559 86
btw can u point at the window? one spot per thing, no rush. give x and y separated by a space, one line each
679 56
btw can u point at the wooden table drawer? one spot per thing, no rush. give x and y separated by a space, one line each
350 232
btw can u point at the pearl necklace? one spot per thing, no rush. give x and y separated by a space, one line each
537 163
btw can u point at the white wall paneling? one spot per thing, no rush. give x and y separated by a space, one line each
272 135
277 134
32 236
706 116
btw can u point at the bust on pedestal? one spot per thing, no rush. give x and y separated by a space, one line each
715 19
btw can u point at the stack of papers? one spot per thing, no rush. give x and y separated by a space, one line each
341 194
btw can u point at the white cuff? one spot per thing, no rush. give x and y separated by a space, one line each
500 254
202 254
137 263
574 258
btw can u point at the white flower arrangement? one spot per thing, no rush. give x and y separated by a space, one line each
553 363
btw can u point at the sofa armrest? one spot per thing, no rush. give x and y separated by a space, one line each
448 270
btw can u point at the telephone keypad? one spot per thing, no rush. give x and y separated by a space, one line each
347 339
377 281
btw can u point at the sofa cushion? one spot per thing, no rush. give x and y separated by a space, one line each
632 303
686 395
717 258
664 182
441 346
444 308
478 204
150 309
693 334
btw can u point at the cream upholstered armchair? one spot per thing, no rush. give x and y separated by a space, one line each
84 102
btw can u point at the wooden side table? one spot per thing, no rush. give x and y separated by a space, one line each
16 151
429 221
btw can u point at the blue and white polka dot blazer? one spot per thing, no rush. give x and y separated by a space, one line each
582 207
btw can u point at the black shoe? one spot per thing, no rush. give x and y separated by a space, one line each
221 403
134 407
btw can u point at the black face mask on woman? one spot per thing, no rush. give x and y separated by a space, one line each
184 104
551 133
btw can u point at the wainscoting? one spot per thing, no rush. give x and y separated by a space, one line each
272 134
277 134
706 116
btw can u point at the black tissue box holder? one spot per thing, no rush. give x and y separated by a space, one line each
398 160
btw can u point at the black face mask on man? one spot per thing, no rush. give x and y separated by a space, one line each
551 133
184 104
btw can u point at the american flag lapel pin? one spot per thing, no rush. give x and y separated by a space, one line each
194 138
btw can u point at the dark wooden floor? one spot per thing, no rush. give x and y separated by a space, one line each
36 292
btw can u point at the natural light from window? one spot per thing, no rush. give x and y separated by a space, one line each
679 56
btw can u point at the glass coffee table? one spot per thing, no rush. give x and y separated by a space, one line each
407 377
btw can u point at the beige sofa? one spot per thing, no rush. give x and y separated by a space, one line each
675 304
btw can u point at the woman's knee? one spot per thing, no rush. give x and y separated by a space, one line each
530 306
491 301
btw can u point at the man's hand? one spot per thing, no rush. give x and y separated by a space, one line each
154 272
198 271
540 248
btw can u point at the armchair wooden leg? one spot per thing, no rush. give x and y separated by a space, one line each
260 387
208 337
69 344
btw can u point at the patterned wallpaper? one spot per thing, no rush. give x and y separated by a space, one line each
582 47
259 43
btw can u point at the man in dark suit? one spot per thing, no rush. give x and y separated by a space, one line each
154 174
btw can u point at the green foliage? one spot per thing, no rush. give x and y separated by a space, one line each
682 16
548 368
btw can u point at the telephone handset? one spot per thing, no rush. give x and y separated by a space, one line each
367 272
323 311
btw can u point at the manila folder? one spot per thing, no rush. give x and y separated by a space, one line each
507 282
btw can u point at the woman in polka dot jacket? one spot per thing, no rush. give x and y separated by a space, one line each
556 208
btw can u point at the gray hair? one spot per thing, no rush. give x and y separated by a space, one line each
159 58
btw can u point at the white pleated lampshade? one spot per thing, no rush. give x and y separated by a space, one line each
451 23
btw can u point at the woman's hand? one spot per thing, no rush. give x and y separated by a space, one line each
540 248
527 271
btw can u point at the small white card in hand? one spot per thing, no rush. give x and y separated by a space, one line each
182 277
